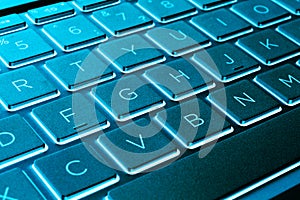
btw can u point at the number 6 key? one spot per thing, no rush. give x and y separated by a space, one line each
22 48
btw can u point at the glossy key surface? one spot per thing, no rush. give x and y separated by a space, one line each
292 6
283 83
74 33
79 70
138 146
11 23
69 118
261 13
24 47
49 13
74 173
122 19
244 103
18 141
288 30
167 11
25 87
127 98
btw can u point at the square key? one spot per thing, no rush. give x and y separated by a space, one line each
292 6
131 53
212 4
122 19
179 79
127 98
288 30
74 33
244 103
261 13
167 11
22 48
283 83
226 62
269 47
25 87
138 146
79 70
18 141
178 38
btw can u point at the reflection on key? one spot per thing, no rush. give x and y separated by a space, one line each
25 87
137 147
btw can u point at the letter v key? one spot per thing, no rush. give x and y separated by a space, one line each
142 146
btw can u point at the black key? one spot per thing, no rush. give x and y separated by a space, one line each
127 98
74 173
23 47
122 19
261 13
11 23
79 70
15 184
18 141
244 103
193 124
25 87
268 47
140 146
292 6
289 30
212 4
179 79
90 5
232 164
131 53
74 33
178 38
283 83
50 13
70 118
167 11
226 62
221 25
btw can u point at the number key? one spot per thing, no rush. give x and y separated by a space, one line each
167 11
122 19
23 47
74 33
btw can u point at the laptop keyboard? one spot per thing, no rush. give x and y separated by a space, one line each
97 95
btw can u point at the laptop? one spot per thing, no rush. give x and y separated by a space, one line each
149 99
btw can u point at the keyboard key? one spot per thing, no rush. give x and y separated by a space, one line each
193 123
50 13
79 70
18 141
212 4
131 53
127 98
261 14
221 25
140 146
74 33
233 163
23 47
178 38
74 173
15 184
244 103
122 19
25 87
179 79
268 47
292 6
283 83
226 62
76 117
289 30
90 5
167 11
11 23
